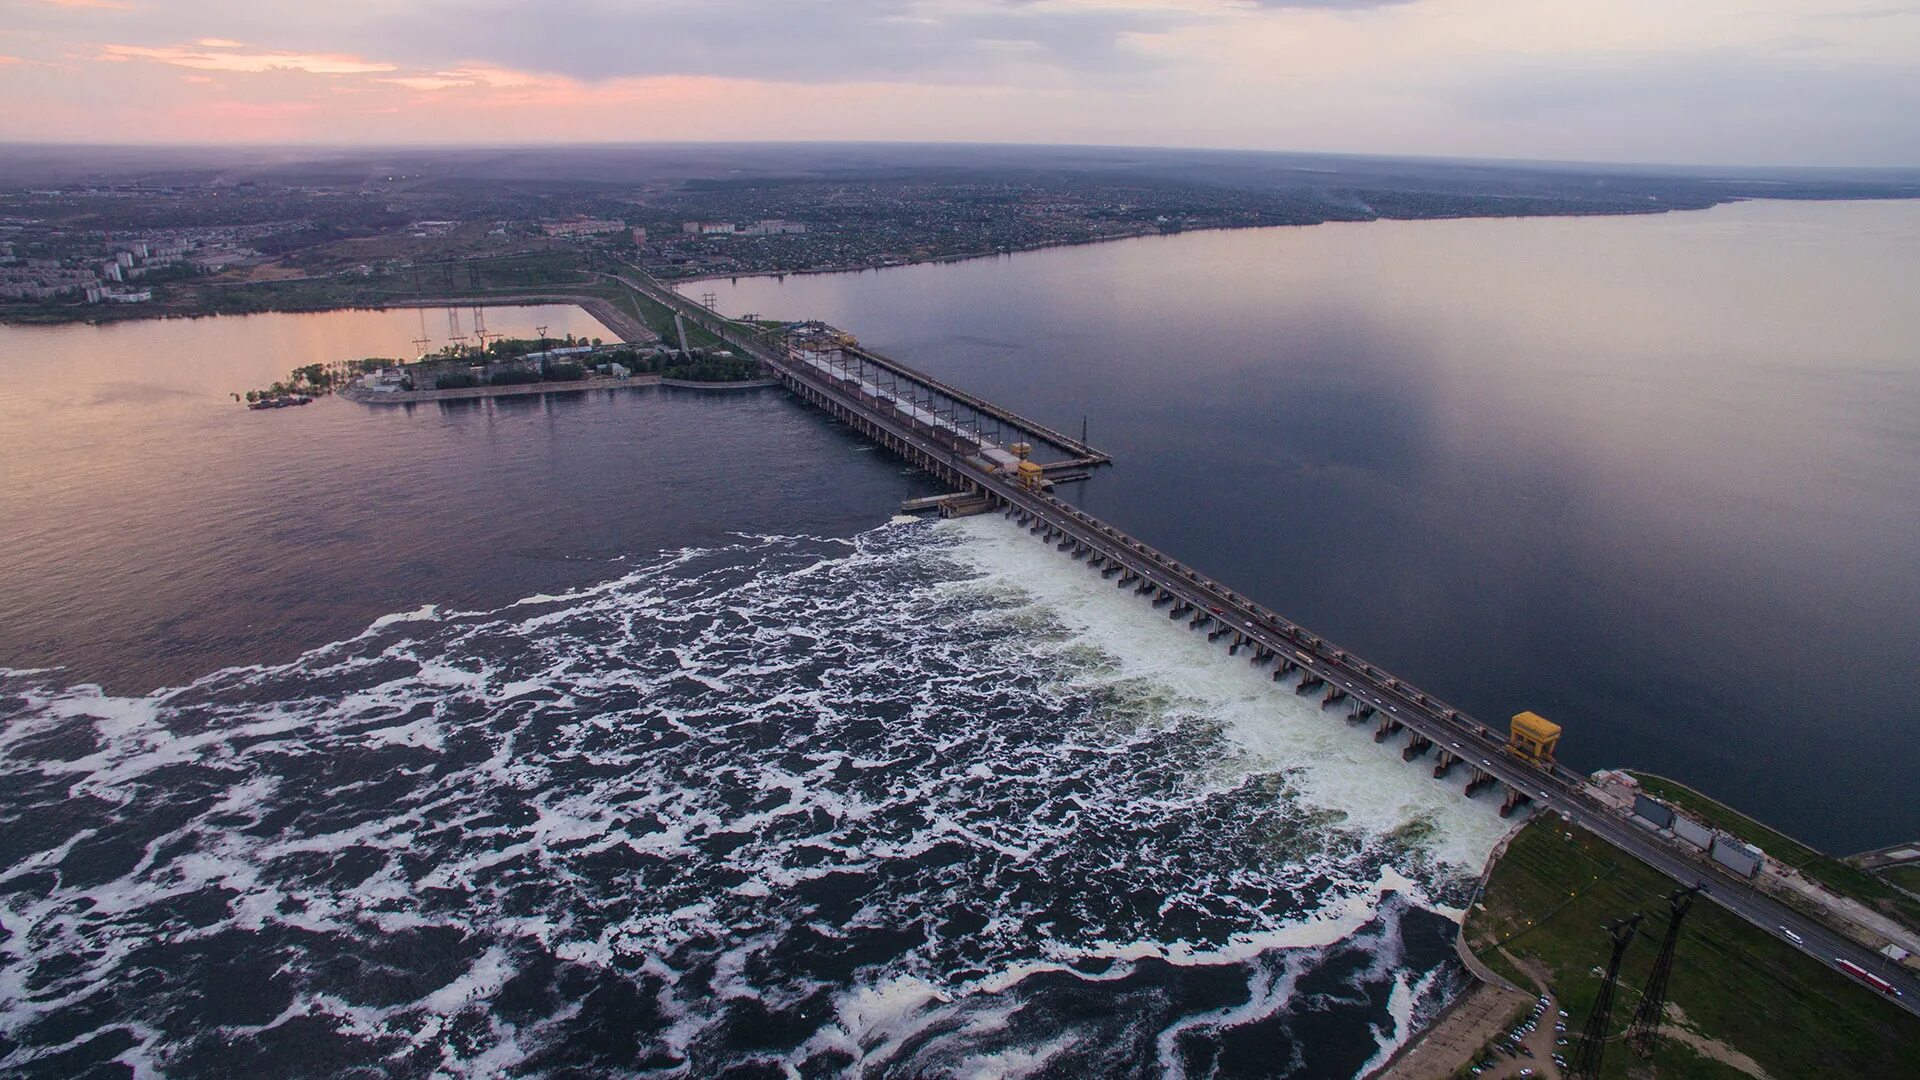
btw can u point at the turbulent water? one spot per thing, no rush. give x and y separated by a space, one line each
928 801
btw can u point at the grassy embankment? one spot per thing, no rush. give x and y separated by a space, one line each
1556 888
1907 877
1842 877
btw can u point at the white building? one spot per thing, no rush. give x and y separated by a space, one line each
583 227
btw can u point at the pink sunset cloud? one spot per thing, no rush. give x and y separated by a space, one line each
1494 78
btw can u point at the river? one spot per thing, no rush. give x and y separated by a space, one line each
629 733
1657 478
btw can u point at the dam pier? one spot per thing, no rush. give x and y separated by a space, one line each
995 461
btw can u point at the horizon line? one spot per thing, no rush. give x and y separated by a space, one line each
609 144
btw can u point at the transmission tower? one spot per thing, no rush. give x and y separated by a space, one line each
707 300
1645 1028
480 326
1593 1038
454 333
420 343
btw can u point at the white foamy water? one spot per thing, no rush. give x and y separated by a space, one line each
932 801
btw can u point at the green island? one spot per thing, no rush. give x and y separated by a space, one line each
1741 1002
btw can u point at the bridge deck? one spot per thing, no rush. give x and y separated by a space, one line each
1396 704
1083 453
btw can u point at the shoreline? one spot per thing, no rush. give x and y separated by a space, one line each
475 393
623 324
1150 233
1470 1020
628 327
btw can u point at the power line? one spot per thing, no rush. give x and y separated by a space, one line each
1593 1038
1645 1028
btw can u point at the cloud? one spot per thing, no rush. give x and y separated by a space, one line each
782 40
1699 106
220 43
478 78
1325 5
312 63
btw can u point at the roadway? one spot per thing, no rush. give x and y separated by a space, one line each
1559 790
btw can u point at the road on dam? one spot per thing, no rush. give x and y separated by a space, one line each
1558 790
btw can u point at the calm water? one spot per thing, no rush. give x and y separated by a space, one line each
1657 478
156 531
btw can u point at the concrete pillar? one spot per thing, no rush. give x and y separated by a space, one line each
1445 764
1480 778
1334 696
1512 802
1417 744
1309 682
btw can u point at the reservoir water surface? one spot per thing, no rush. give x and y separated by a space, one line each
628 733
1655 477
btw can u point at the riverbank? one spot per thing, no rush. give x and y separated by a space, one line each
1836 875
963 257
467 393
1738 997
625 325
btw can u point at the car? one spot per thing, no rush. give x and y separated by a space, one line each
1793 937
1561 1041
1563 1014
1526 1072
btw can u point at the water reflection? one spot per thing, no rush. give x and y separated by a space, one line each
155 531
1658 477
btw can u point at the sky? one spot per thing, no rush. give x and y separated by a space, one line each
1760 82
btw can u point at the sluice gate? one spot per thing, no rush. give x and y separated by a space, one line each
959 440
